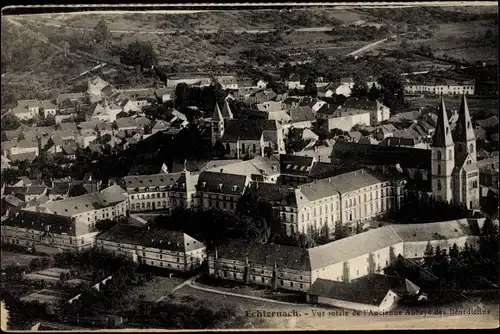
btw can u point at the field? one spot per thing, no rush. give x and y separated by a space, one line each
459 40
11 258
479 108
155 289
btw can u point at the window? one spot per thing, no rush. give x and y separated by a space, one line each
291 284
439 155
301 286
281 282
262 278
439 186
471 148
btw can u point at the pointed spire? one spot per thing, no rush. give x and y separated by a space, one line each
226 110
442 136
464 131
217 115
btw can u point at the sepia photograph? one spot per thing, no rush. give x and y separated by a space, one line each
250 167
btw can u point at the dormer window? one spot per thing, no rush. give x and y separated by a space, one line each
203 184
219 186
235 188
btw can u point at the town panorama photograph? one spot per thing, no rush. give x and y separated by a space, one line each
226 167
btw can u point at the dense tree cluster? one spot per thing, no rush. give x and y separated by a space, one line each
214 227
419 208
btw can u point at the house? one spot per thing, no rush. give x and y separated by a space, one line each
48 108
269 106
349 82
69 96
11 205
228 82
259 169
488 172
26 109
153 247
23 157
374 292
302 117
127 124
295 169
441 86
24 147
261 84
216 190
94 88
384 131
109 203
106 111
86 137
69 150
346 119
163 95
377 110
129 106
197 81
293 82
33 192
334 88
48 233
159 126
313 103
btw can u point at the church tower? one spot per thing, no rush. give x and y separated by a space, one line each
442 160
463 136
217 124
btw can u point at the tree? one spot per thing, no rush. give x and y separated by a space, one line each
277 87
140 54
373 93
360 89
105 224
101 32
10 122
392 90
219 149
310 87
429 254
454 251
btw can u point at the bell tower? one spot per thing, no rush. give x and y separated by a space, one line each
442 160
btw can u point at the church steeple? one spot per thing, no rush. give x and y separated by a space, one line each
442 136
464 137
442 157
217 115
226 110
217 124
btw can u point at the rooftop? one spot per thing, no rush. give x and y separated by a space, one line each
151 238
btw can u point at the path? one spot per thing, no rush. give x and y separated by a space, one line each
193 285
189 281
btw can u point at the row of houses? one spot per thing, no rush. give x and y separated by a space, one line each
440 86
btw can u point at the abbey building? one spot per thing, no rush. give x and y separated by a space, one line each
454 173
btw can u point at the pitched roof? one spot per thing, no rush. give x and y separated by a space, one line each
38 221
23 157
274 194
464 130
152 238
155 180
367 154
302 114
436 231
247 129
442 137
36 190
295 164
370 289
79 204
221 183
361 104
267 254
349 248
328 109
